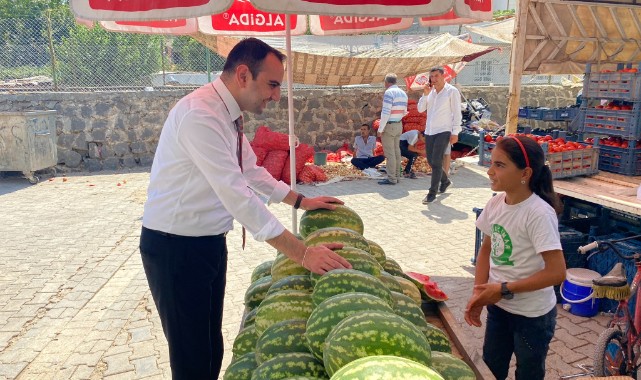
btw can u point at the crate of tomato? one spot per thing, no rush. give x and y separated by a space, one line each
618 155
565 158
612 119
624 84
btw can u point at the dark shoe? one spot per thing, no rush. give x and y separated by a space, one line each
386 182
444 186
429 198
412 175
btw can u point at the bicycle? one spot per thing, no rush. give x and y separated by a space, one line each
618 349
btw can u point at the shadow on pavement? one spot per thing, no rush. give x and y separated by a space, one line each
10 183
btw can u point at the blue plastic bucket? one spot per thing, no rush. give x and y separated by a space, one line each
576 292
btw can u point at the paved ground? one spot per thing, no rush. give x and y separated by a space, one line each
74 302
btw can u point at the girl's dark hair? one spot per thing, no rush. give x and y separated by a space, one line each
251 52
541 180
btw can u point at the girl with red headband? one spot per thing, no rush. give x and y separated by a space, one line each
519 262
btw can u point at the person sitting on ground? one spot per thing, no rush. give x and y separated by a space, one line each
408 141
364 146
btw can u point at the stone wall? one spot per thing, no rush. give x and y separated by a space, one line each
108 131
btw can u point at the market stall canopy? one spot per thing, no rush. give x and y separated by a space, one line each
560 37
501 31
331 64
138 10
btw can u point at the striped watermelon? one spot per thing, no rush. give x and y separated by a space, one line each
409 289
262 270
430 291
300 282
249 318
359 259
257 291
245 341
377 251
340 281
283 267
390 282
392 267
385 367
451 367
280 338
368 333
342 216
344 236
288 365
408 309
438 339
333 310
286 304
241 368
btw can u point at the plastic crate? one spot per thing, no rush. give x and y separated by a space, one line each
567 113
626 161
523 112
571 240
535 113
624 86
583 216
562 164
550 115
613 123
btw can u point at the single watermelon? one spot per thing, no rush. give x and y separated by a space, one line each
241 368
368 333
344 236
451 367
262 270
333 310
377 251
283 305
300 282
392 267
409 289
283 267
257 291
359 259
288 365
437 338
280 338
245 341
408 309
340 281
342 216
249 318
385 367
390 282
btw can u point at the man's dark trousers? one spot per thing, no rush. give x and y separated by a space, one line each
407 153
435 146
368 162
187 278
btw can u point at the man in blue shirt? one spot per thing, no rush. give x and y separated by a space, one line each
391 127
364 146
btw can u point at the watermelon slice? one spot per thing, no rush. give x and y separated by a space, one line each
429 289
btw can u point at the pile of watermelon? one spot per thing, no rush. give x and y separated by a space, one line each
359 323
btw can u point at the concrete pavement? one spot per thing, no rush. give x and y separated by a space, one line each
74 301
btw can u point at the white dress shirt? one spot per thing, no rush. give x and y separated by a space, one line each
196 187
443 110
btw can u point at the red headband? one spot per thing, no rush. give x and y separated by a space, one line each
527 160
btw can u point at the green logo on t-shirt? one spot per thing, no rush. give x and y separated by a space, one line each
501 246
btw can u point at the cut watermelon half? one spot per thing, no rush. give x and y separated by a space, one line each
429 289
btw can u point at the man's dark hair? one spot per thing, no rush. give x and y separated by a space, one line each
439 69
251 52
365 125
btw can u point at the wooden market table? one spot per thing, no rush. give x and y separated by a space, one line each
613 191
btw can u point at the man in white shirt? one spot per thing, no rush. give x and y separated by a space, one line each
442 101
391 127
201 179
364 146
408 141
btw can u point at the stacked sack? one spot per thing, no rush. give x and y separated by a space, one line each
272 153
414 120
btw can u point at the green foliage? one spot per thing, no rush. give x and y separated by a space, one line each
96 57
503 13
23 72
190 55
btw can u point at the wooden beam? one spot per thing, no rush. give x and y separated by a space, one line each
516 66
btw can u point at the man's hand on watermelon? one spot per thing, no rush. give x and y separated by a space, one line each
322 258
320 202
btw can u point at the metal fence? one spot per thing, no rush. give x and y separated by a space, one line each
54 53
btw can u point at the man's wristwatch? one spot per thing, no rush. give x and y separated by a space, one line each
506 294
299 199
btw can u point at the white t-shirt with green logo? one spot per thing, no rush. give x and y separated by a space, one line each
519 234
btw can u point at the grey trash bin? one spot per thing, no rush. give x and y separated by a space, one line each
28 142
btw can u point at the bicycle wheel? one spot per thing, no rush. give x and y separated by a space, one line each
610 355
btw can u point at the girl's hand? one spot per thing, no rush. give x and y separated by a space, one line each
485 294
473 314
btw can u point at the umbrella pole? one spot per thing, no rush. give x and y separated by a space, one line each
290 113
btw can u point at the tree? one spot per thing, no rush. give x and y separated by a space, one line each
190 55
96 57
